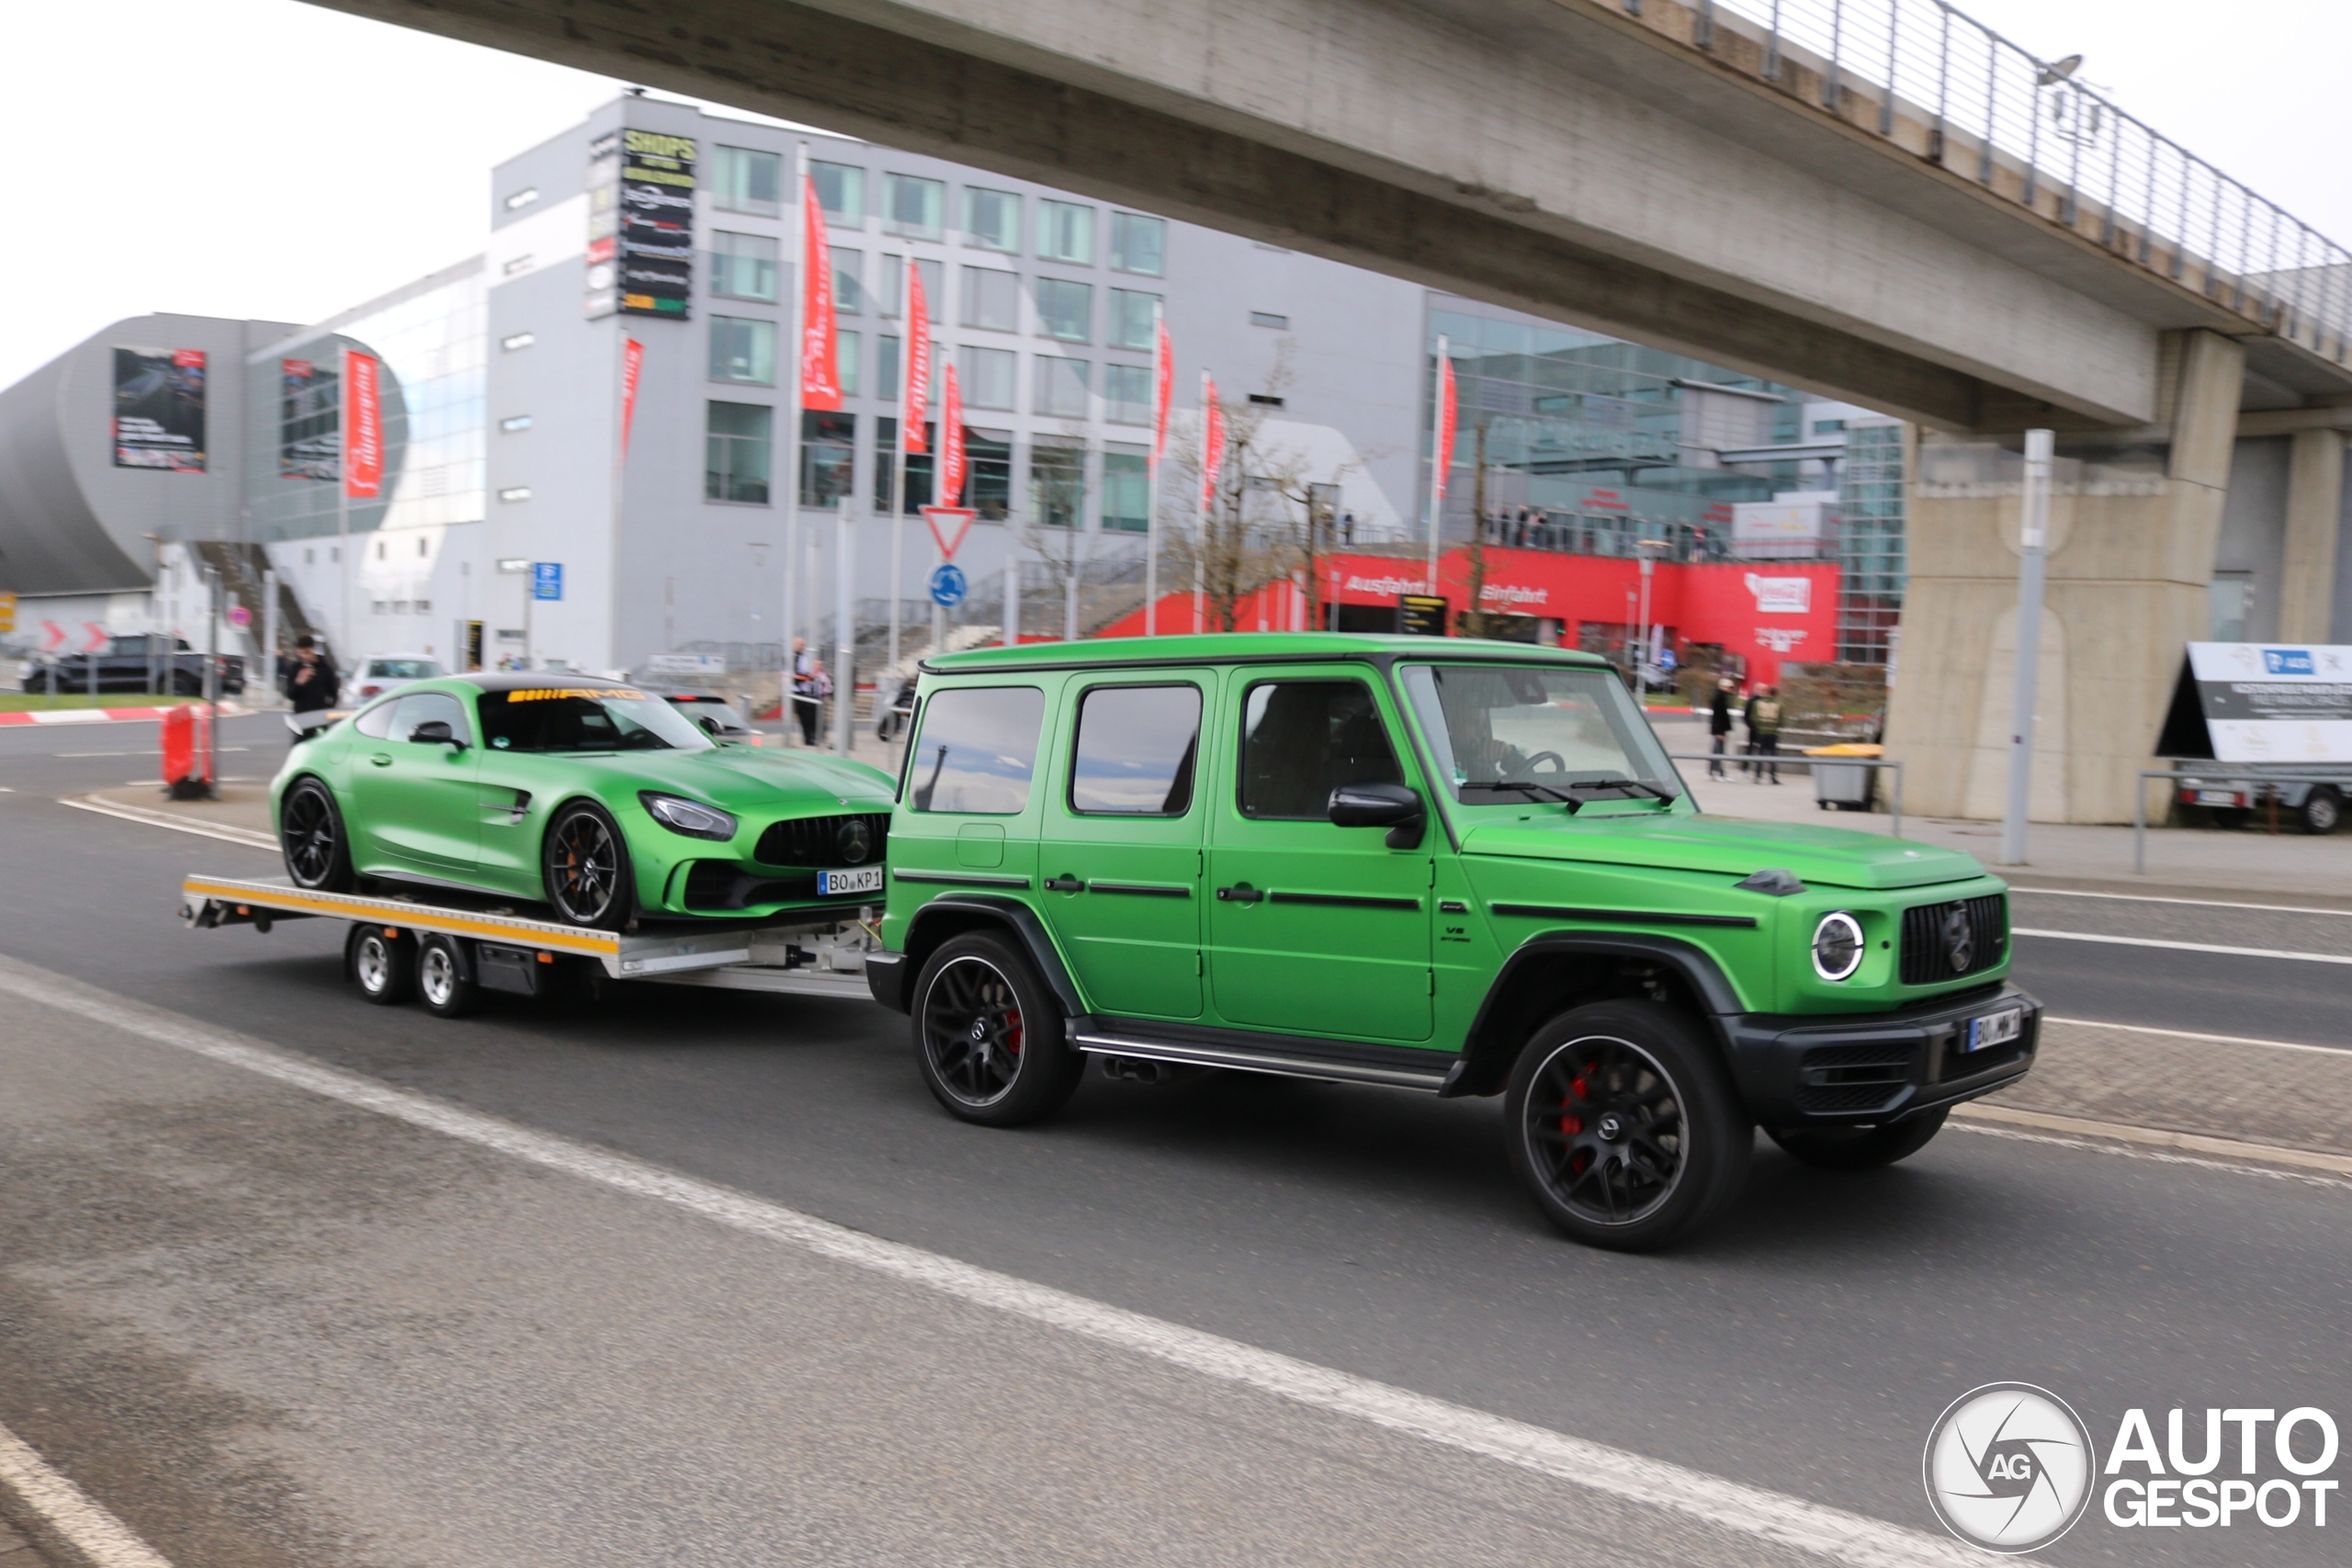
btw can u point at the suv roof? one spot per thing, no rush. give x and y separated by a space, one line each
1229 647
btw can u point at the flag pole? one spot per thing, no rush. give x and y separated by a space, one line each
791 476
1436 458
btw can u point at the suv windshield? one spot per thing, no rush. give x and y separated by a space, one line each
585 718
1505 733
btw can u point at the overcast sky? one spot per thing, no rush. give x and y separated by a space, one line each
264 158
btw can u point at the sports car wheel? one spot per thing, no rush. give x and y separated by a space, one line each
1622 1126
443 978
310 831
989 1037
382 962
587 868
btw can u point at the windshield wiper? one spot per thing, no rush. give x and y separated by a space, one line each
1535 791
1655 791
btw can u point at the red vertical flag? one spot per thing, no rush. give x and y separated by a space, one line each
915 397
1444 421
951 443
632 363
1163 384
363 427
1212 440
821 377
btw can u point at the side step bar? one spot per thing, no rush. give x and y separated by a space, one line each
1097 1042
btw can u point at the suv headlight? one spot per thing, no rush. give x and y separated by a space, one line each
691 817
1837 946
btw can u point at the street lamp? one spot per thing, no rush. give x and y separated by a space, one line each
1647 550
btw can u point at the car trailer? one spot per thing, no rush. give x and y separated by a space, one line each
446 954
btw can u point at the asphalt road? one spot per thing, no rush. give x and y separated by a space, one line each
1804 1346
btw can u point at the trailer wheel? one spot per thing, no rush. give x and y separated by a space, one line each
2321 810
445 978
381 959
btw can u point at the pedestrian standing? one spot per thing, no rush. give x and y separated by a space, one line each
1719 727
807 705
1764 730
308 681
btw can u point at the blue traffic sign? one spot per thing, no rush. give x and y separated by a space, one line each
546 579
947 586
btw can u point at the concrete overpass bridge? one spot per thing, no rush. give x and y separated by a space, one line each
1877 199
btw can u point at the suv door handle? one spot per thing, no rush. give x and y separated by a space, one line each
1239 893
1064 884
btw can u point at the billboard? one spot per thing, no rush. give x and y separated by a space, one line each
159 408
1793 529
2252 701
363 478
640 224
309 435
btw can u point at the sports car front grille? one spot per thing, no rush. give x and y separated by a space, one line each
1926 938
725 884
855 839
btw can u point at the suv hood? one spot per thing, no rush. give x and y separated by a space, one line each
1837 857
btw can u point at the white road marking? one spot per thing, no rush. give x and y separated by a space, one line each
251 837
1753 1511
2186 946
2197 903
102 1540
2191 1034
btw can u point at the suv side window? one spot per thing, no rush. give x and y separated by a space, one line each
1136 750
425 707
1302 739
977 751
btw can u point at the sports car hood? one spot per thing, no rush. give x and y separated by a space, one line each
1837 857
754 782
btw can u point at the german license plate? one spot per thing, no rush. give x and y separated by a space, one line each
865 879
2216 797
1995 1028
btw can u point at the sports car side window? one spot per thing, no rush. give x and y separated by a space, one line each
377 722
430 707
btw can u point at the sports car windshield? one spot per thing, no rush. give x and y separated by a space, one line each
1505 734
585 718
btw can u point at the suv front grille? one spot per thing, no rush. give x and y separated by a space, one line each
857 838
1979 928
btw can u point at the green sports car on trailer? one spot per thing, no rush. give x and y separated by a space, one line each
601 800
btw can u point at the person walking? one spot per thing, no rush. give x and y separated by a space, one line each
1764 730
808 706
309 681
1719 727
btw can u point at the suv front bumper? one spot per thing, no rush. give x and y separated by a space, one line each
1868 1068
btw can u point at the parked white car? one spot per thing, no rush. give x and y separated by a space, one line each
383 671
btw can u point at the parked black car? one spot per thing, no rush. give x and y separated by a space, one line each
124 665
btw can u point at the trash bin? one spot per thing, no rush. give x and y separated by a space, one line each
1847 788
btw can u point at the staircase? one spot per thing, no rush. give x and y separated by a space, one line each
243 571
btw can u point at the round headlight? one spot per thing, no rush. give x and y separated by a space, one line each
1836 946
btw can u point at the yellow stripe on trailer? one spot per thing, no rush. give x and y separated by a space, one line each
394 912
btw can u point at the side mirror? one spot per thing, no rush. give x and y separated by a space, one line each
434 732
709 725
1391 806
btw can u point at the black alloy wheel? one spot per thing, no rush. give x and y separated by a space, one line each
1862 1149
989 1037
586 869
310 832
1623 1126
445 980
381 961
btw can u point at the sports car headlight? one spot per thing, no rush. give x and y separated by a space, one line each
691 817
1836 946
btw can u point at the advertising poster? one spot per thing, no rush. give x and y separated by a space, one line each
655 259
2253 701
310 430
159 408
364 418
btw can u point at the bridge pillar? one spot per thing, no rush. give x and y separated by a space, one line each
2132 531
2314 516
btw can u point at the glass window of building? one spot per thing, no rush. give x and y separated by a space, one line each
886 349
1269 318
849 280
1066 233
1130 325
886 458
915 207
828 457
743 179
1058 483
1060 387
1127 488
989 490
1126 394
849 350
892 286
743 266
1138 245
991 218
1065 310
743 349
991 298
987 377
735 453
840 191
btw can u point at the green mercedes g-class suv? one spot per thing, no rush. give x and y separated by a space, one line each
1457 866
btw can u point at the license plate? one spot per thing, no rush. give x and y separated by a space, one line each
1995 1028
865 879
2216 797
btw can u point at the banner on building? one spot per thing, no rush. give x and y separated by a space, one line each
1163 384
362 423
821 376
951 443
2249 702
641 254
915 396
632 365
1445 423
1212 439
309 421
159 408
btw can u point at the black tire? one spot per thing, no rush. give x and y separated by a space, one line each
381 961
1621 1123
1863 1148
988 1036
311 837
2322 811
445 982
584 864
